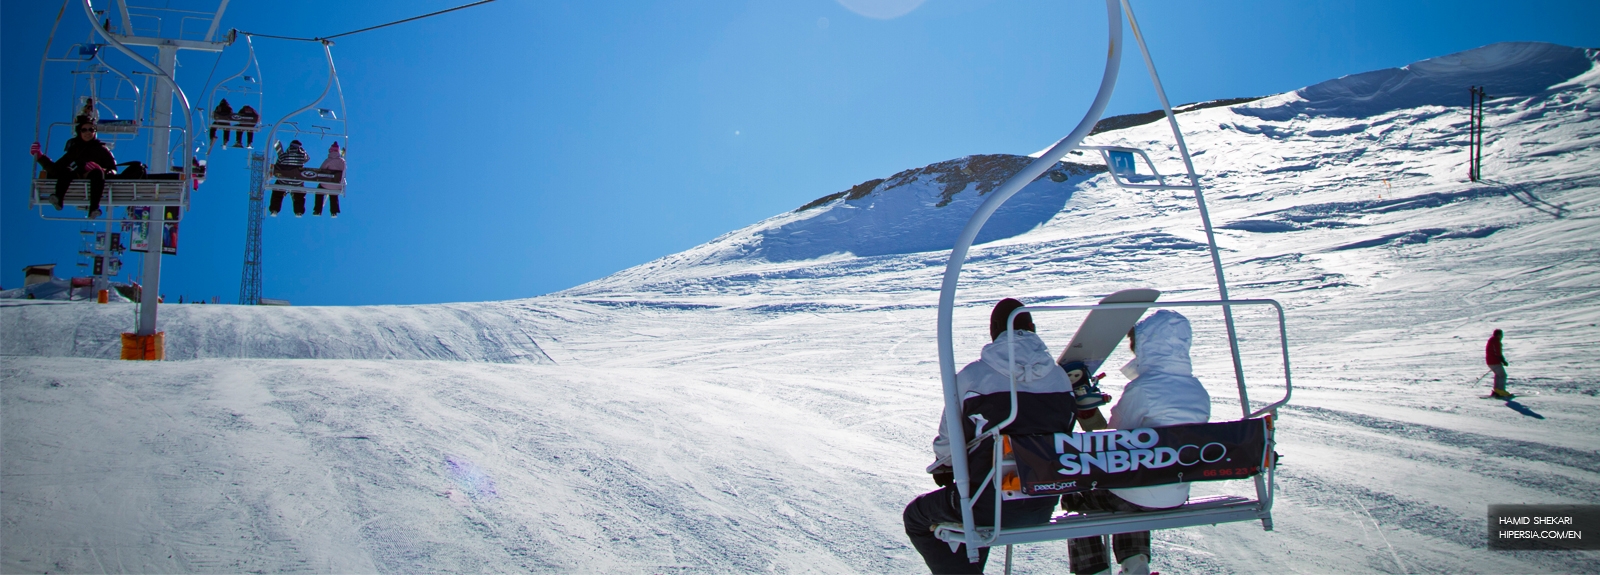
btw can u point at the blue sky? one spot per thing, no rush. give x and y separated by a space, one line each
523 147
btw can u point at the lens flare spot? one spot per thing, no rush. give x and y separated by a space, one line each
881 9
472 482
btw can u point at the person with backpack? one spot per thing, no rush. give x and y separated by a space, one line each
288 160
1045 405
1496 358
1163 391
85 157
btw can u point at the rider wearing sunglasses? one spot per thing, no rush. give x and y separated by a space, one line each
86 157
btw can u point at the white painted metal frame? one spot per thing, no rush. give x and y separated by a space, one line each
342 133
166 89
968 533
251 88
1123 182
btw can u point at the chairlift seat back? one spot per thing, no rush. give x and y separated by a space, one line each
1059 463
117 126
309 174
237 121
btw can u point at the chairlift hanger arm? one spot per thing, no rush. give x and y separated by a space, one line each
958 256
188 110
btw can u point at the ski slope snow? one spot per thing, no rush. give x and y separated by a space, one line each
764 402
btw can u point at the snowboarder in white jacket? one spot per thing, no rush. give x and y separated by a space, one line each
1045 404
1163 392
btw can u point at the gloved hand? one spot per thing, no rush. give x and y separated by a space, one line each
34 149
944 476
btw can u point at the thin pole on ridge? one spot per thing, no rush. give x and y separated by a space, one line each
954 430
1200 200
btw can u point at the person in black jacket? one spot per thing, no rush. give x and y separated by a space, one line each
86 157
290 159
1045 405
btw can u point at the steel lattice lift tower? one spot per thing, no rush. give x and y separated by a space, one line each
250 280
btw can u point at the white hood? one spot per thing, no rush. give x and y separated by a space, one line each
1162 345
1163 392
1032 359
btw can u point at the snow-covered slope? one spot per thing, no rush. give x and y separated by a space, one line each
764 402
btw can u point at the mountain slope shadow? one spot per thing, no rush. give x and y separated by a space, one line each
921 209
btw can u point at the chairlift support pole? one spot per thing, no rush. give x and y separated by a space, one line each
161 117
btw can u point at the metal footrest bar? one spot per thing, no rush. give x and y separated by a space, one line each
1204 511
117 193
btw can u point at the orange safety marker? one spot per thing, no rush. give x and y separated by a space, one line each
144 347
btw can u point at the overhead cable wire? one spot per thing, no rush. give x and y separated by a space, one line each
327 38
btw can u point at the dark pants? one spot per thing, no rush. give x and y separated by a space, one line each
1088 554
299 199
333 205
1499 376
944 506
65 176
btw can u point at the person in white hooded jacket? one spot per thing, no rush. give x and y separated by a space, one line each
1045 404
1163 391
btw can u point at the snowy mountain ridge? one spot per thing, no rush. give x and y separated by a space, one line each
764 402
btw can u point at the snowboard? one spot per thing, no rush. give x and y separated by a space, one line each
1103 329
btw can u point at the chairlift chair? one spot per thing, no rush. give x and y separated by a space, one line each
1003 476
327 126
244 90
115 103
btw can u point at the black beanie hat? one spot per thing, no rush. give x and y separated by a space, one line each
1002 310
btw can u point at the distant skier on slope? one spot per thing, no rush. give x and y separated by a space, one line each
1045 405
1163 391
1496 359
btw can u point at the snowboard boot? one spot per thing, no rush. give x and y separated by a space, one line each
1135 565
1084 388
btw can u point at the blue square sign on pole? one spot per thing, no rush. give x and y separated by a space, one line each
1122 163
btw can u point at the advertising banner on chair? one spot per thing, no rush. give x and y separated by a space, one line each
140 232
1069 462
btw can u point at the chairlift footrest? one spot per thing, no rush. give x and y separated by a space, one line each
1206 511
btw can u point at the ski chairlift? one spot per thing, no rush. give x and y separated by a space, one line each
328 127
1029 466
113 102
1125 173
1008 473
242 117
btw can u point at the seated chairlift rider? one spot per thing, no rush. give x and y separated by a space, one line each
85 157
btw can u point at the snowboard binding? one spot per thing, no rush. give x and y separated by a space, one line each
1085 388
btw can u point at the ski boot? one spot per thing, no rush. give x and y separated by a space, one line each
1085 388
